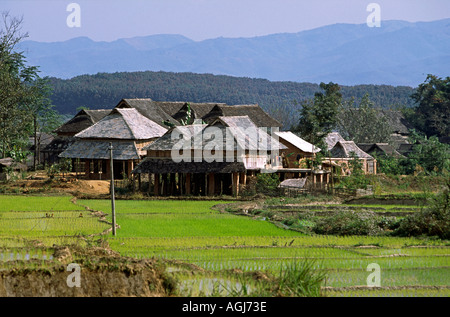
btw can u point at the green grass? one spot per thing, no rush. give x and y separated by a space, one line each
53 216
192 232
152 206
37 203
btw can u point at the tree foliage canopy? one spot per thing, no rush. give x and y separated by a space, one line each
432 111
318 116
24 96
363 123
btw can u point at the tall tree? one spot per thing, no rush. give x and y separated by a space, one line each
363 123
318 116
432 115
24 97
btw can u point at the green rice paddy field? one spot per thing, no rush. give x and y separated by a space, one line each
192 232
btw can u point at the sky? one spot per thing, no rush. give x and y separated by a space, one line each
108 20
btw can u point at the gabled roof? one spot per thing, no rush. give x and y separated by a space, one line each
297 141
168 141
332 138
255 113
379 149
150 109
198 111
343 149
246 135
170 107
126 124
82 120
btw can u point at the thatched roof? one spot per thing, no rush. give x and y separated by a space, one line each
161 166
97 149
126 124
379 149
255 113
343 149
155 111
82 120
332 138
298 142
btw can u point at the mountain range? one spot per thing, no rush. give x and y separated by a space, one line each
398 53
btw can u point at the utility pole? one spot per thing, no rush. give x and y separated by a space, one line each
113 207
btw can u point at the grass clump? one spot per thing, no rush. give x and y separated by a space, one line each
432 221
351 222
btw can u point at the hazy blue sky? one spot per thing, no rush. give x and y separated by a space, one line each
107 20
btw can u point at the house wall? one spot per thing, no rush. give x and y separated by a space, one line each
291 154
369 166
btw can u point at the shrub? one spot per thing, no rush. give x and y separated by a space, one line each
267 184
350 223
432 221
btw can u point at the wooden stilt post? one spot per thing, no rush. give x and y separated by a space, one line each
235 183
211 184
188 183
156 185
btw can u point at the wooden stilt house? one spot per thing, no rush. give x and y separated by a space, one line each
127 129
66 132
208 159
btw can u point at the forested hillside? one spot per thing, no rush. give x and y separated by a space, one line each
280 99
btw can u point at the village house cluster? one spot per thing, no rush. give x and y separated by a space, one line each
195 148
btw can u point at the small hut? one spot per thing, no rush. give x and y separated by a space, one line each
341 154
8 166
66 132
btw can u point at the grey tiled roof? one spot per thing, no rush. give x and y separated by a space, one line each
97 149
126 124
82 120
259 140
254 112
59 144
151 109
343 149
332 138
